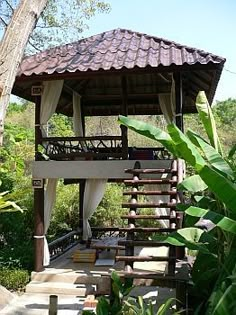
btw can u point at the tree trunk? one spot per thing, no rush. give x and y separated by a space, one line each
12 48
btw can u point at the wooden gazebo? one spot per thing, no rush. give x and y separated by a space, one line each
116 72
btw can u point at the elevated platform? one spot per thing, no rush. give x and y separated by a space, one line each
112 169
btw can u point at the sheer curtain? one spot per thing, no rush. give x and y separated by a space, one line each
49 201
93 194
167 104
49 100
94 188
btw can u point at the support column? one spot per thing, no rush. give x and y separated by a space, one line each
38 192
38 228
81 204
179 100
124 112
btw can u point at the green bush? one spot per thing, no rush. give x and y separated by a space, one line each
13 279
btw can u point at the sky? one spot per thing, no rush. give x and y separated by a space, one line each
205 24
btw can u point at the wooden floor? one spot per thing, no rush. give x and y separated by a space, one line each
65 261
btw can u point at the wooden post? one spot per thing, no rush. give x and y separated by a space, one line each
124 112
179 100
38 228
37 130
53 300
81 204
38 192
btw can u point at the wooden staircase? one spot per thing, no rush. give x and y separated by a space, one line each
158 176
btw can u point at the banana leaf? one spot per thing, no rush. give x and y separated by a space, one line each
207 118
193 184
149 131
193 238
219 220
185 148
222 300
221 186
213 157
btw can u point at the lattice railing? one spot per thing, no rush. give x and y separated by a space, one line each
99 147
62 244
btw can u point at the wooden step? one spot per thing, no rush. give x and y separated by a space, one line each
153 275
148 243
150 192
147 230
135 205
144 258
137 171
146 216
130 182
135 229
103 246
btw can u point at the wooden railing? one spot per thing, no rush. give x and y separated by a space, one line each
62 244
97 147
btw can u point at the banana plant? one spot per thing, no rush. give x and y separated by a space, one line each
215 177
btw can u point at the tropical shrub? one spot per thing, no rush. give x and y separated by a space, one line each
214 188
13 279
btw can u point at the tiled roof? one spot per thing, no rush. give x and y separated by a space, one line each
114 49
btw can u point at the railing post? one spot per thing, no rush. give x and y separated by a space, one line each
53 300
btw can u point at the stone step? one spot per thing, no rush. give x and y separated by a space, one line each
102 282
60 288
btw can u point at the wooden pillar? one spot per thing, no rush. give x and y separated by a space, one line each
38 134
124 112
38 193
179 100
81 204
38 228
82 117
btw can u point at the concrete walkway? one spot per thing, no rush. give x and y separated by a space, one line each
38 304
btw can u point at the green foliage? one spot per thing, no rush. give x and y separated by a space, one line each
120 303
13 279
219 176
61 22
65 216
109 210
60 126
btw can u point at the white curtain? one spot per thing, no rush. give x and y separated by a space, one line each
93 194
167 104
49 201
49 100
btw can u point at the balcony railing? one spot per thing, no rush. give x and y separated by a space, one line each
97 148
62 244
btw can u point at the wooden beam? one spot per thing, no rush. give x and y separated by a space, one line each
136 70
179 100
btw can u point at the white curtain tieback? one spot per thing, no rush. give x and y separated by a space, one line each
39 236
